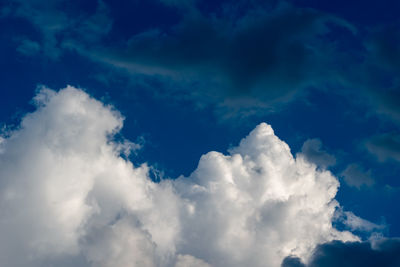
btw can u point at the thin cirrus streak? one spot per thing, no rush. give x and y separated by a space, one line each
69 198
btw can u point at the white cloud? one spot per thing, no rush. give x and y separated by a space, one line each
67 195
262 204
356 223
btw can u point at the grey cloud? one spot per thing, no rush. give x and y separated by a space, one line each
313 151
268 56
354 175
242 60
59 28
242 64
292 261
386 101
383 253
28 47
385 146
382 62
186 4
46 17
384 46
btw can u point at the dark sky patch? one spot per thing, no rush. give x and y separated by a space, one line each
384 253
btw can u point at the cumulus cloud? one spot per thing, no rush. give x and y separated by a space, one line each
263 198
68 197
65 190
313 151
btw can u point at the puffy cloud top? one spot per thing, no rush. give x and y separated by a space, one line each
68 198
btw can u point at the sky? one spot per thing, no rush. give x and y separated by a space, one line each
193 133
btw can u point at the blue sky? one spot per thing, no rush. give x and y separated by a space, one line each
190 77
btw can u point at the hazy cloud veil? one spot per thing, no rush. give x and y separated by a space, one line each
68 198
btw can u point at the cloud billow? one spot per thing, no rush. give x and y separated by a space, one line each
68 197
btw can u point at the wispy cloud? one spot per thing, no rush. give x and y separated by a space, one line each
354 175
313 151
384 146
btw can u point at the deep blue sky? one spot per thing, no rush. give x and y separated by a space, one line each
195 76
